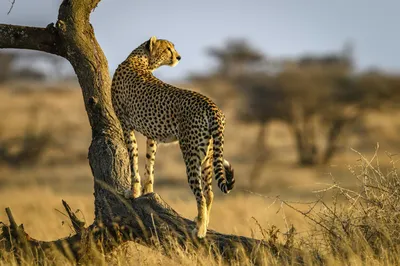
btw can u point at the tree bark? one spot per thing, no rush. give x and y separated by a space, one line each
32 38
148 219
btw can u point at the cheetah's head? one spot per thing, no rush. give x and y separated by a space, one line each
161 52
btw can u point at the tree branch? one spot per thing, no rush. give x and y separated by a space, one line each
11 7
77 224
90 64
32 38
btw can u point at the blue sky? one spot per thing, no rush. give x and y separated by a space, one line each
278 28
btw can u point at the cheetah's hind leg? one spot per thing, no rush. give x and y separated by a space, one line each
193 158
206 175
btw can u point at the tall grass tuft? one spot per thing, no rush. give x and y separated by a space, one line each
358 225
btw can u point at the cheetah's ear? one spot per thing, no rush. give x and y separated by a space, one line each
150 43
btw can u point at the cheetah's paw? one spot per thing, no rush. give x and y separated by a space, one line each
201 229
199 233
130 194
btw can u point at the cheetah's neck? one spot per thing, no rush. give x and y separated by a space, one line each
139 59
138 62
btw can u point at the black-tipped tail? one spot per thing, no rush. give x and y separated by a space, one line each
229 176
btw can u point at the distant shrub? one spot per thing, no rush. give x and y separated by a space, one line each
361 224
29 148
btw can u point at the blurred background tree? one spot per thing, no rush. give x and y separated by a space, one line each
33 66
317 96
236 58
6 60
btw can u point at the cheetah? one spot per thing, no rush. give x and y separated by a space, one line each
165 114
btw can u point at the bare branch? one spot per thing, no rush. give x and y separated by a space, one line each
13 224
11 7
76 223
32 38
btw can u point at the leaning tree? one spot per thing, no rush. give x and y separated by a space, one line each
147 219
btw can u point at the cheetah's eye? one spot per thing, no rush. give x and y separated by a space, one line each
169 49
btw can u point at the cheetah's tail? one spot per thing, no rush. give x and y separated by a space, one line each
224 173
229 175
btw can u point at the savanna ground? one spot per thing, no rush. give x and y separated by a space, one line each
34 191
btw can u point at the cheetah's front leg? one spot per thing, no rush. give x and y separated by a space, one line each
148 180
132 147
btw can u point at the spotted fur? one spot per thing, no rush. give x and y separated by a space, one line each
164 113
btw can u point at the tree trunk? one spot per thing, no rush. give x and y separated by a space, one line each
303 130
332 139
261 156
148 219
307 151
349 115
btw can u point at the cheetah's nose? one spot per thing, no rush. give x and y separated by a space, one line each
178 57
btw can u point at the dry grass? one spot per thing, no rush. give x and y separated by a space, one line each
34 193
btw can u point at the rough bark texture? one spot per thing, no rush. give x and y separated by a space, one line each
32 38
107 154
148 219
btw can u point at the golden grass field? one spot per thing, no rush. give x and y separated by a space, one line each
34 193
